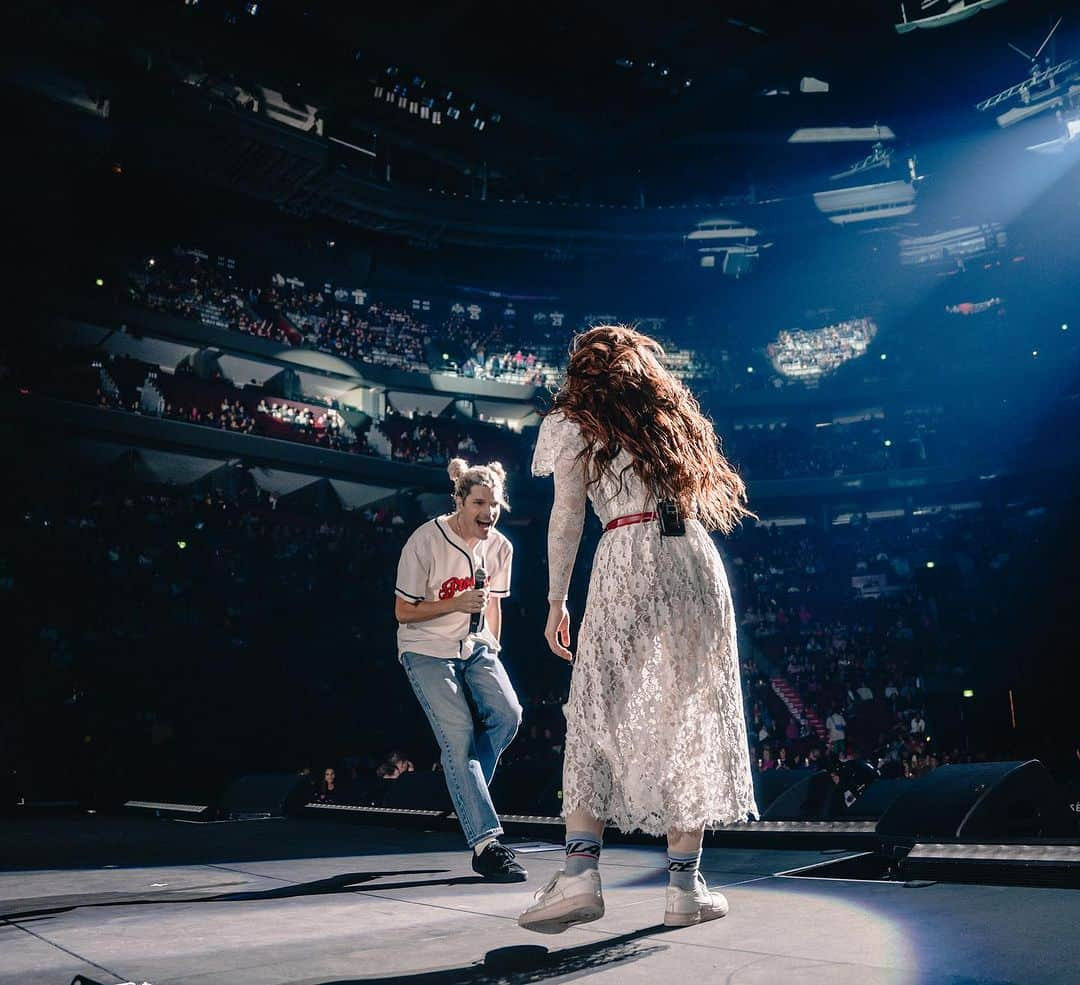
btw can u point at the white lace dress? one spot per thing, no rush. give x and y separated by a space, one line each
655 737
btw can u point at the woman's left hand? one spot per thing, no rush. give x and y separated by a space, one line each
557 630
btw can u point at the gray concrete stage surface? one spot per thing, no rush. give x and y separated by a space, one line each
268 902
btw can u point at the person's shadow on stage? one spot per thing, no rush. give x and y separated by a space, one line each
518 965
526 963
349 882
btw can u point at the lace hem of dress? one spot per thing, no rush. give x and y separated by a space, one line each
656 826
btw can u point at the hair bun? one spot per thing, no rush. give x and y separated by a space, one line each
498 471
457 467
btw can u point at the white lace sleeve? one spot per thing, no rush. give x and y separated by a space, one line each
556 453
553 430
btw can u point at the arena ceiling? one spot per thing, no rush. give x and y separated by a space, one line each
603 100
700 97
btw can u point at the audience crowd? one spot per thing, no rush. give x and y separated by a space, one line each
878 442
909 435
165 638
809 355
353 326
122 383
169 638
187 635
868 625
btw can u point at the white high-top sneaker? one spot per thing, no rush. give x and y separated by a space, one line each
565 901
686 907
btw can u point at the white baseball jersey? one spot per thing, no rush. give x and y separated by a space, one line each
436 564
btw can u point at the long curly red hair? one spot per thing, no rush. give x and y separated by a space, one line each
622 397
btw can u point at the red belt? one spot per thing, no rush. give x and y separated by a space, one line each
625 521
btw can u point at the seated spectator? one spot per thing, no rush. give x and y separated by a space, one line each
836 725
327 791
394 765
302 793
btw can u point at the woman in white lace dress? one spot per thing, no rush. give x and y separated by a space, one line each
656 737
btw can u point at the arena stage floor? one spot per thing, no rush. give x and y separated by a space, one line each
131 899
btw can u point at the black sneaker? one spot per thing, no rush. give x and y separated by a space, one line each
496 864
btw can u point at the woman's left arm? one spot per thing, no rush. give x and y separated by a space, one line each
564 537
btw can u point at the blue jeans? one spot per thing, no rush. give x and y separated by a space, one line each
470 750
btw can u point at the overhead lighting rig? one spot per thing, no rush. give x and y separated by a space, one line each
433 104
953 13
1047 87
880 156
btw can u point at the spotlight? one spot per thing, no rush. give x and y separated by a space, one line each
182 544
1064 327
929 564
884 357
1034 353
749 369
968 693
888 443
99 282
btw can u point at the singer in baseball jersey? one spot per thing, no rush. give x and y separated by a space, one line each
453 574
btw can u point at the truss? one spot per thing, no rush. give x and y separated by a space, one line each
879 157
1038 78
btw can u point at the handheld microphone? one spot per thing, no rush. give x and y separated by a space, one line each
477 618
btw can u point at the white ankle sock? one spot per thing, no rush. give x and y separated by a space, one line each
683 869
481 845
